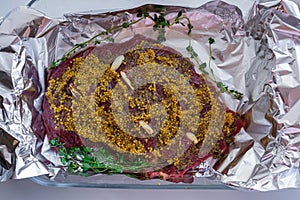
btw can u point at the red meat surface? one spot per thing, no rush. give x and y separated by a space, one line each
170 172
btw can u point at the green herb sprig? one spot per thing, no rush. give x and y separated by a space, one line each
160 22
80 159
94 39
159 25
223 88
235 94
203 68
83 160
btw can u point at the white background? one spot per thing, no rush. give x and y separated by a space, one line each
27 190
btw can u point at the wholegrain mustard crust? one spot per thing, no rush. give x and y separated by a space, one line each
146 103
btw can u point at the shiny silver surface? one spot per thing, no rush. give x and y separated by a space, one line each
257 54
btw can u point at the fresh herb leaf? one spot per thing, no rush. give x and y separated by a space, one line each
192 52
53 142
125 25
211 40
202 66
179 14
80 160
97 42
139 13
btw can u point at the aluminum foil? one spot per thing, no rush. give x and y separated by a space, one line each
257 54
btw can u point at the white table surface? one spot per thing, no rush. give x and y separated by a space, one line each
27 190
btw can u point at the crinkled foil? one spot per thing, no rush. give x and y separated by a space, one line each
257 54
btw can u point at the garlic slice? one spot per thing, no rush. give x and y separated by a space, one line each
127 81
192 137
117 63
75 92
146 127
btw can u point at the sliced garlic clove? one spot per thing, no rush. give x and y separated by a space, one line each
192 137
117 62
74 91
146 127
127 81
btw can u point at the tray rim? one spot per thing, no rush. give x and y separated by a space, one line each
44 181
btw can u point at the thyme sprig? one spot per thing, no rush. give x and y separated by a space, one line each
160 22
223 88
93 39
83 160
203 68
80 159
